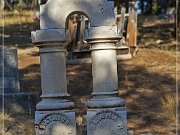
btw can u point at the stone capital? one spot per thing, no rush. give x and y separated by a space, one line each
50 36
102 34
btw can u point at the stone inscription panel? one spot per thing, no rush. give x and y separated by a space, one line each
106 123
56 124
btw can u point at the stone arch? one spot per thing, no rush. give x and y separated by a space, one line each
54 13
73 13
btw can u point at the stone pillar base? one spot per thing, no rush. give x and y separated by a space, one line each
54 104
55 122
107 121
18 103
102 101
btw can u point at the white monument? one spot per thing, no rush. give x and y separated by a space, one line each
106 114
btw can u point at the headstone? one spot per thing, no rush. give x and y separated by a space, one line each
11 99
106 113
9 76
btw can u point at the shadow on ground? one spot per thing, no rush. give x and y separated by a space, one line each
156 33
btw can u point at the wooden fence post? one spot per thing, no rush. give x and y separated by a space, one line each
132 28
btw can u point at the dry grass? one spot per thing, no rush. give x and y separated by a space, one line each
12 18
13 125
5 122
4 116
168 106
5 119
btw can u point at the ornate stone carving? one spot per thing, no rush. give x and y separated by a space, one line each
107 122
56 124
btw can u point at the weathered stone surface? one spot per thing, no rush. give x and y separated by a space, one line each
9 66
104 68
54 104
109 121
53 78
54 13
101 101
53 72
102 32
55 122
50 35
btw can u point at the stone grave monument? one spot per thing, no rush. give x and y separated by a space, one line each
106 113
12 99
11 82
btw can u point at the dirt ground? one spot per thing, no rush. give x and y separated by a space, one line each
143 80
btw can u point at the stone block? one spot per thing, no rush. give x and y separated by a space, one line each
107 121
50 35
60 122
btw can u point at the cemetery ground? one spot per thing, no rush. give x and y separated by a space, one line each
147 82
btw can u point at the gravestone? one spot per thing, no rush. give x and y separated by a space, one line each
11 98
9 76
106 113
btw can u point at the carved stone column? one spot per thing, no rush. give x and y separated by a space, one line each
106 113
53 77
105 78
55 113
